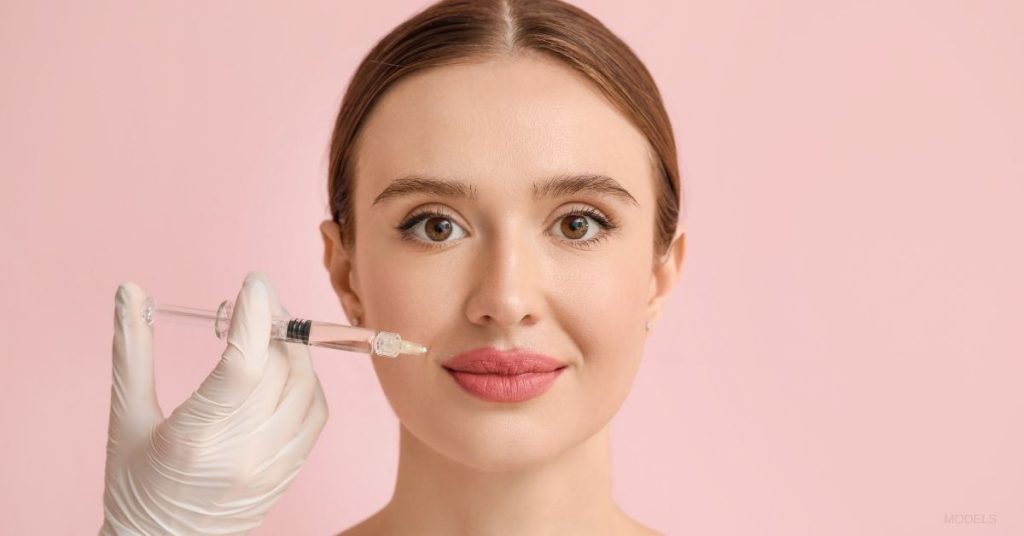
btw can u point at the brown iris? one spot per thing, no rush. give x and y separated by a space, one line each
575 226
438 228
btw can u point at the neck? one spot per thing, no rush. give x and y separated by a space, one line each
567 494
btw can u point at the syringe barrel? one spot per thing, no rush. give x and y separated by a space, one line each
328 335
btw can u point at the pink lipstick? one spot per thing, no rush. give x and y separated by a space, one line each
503 376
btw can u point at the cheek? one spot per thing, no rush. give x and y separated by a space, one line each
400 296
608 325
607 294
606 300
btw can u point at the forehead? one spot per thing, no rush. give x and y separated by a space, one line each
500 125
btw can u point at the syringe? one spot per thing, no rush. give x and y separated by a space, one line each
297 330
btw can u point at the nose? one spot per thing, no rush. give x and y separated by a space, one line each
507 283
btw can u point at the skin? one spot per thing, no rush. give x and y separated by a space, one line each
508 275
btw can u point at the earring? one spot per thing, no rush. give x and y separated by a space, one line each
355 321
647 325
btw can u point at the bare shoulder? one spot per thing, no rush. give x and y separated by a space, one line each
371 527
644 530
367 527
637 529
631 527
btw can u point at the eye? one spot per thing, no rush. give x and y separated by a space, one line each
438 227
575 226
579 232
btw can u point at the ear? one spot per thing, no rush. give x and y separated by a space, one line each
666 273
341 271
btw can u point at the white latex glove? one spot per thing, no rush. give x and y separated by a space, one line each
227 454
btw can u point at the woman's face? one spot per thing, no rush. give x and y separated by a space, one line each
503 267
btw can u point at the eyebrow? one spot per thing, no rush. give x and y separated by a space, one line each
558 186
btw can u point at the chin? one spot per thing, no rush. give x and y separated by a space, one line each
497 446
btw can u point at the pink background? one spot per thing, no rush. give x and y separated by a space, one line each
843 354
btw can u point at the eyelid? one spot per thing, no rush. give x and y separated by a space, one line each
591 211
425 211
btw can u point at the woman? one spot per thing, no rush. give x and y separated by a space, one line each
503 187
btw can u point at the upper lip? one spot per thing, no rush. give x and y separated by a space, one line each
491 360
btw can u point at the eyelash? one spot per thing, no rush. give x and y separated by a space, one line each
607 224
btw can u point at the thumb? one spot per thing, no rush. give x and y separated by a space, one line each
241 365
134 409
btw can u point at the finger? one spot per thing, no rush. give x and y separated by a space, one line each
286 463
280 350
276 376
263 401
242 364
316 419
134 409
295 400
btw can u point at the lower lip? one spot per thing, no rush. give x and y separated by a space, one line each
504 388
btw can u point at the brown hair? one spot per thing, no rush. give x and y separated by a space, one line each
459 31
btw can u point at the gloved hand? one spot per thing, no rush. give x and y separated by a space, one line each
227 454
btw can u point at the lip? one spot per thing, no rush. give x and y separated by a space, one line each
503 376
